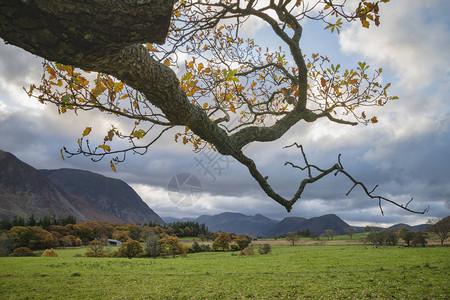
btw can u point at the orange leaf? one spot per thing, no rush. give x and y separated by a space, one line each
374 120
167 62
232 108
113 167
323 82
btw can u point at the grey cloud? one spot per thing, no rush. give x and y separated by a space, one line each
18 66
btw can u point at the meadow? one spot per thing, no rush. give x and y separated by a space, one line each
315 272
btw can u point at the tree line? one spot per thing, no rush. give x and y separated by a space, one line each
45 221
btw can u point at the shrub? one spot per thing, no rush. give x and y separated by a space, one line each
264 249
196 247
23 251
235 247
248 251
78 242
206 248
49 253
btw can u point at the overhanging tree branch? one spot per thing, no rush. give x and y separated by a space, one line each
268 90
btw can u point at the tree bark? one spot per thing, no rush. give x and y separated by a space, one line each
79 32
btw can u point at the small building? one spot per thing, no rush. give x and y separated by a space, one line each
112 242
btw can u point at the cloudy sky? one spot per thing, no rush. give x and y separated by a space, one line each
406 152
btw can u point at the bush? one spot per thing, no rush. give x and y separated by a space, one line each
49 253
248 251
206 248
23 251
264 249
196 247
235 247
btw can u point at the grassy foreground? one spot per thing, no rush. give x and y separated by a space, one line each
316 272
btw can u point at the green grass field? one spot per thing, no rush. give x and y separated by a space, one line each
315 272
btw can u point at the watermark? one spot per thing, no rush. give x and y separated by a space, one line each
211 162
184 189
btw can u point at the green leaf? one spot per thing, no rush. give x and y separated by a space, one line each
139 133
66 98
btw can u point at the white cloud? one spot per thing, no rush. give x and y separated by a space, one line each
409 40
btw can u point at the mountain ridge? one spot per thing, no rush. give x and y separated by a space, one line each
236 223
88 196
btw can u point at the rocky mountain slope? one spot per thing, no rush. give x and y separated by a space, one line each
85 195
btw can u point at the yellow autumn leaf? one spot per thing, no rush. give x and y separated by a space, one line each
87 131
167 62
365 23
354 91
105 147
112 166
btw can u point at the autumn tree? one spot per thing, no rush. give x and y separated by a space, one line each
441 227
420 238
121 235
329 233
227 76
350 231
130 249
406 235
222 241
171 245
243 241
151 245
292 237
96 249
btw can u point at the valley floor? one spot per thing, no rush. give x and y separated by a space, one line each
314 272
